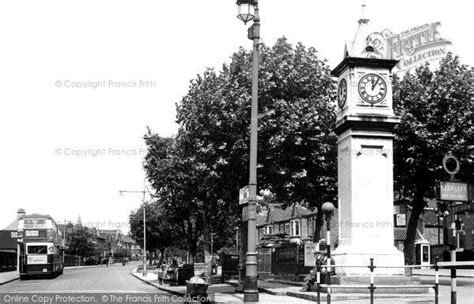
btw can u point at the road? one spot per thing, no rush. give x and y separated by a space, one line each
115 278
100 280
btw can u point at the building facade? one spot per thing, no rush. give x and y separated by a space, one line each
293 224
8 244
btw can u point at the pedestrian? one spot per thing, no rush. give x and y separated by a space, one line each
321 260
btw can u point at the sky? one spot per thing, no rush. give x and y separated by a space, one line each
80 82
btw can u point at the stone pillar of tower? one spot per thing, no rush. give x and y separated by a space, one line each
365 122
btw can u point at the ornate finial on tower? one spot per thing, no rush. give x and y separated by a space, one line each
363 16
359 44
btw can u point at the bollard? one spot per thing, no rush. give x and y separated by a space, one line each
372 287
453 278
453 285
328 283
328 209
318 281
436 280
328 260
328 273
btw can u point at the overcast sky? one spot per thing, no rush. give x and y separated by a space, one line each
67 151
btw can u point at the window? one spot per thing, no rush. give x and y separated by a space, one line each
287 228
270 229
34 224
37 250
295 228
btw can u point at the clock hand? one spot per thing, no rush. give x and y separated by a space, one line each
374 84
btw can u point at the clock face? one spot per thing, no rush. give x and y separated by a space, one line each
372 88
342 93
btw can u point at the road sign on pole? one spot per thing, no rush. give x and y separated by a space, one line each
451 164
244 195
454 191
248 212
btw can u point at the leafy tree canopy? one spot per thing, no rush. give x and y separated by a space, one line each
197 174
436 110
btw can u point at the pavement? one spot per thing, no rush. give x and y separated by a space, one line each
294 290
465 277
8 276
285 292
221 293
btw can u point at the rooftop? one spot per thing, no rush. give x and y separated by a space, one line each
278 215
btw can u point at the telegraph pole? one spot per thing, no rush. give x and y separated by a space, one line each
121 192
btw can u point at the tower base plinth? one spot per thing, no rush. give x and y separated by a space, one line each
388 261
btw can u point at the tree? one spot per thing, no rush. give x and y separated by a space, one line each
159 234
436 113
120 253
80 242
179 182
297 152
198 174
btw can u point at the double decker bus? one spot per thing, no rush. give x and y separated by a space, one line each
40 250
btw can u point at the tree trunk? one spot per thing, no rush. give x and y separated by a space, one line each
409 244
207 253
318 226
162 255
192 251
191 240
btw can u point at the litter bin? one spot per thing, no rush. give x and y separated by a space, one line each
196 291
185 273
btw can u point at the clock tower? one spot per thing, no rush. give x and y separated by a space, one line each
365 123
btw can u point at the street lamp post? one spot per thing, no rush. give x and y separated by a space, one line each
328 209
248 10
121 192
144 236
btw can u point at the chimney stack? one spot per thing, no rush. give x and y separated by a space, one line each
20 212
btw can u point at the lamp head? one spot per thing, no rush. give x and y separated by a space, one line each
246 10
328 208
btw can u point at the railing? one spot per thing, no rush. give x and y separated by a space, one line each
288 260
372 287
